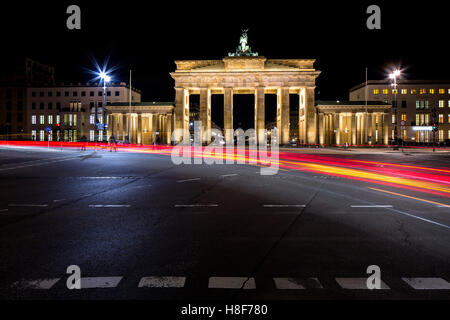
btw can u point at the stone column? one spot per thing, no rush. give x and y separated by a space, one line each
353 129
181 111
310 117
369 128
386 128
260 114
284 108
337 127
321 129
169 128
228 114
139 128
205 114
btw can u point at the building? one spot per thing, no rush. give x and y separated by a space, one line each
69 110
415 101
17 74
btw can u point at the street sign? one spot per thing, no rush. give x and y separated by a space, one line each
403 123
48 129
100 126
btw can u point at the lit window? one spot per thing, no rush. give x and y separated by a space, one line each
58 119
50 136
441 135
448 134
448 103
41 119
33 118
413 91
385 91
432 91
417 119
417 104
50 119
74 119
394 91
404 135
441 118
393 134
41 135
422 117
427 104
91 135
423 91
448 118
427 119
376 91
403 116
33 134
404 91
91 119
393 118
441 103
441 91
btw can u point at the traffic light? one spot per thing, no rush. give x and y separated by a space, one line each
435 127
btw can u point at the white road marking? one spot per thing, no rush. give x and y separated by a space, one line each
231 283
109 206
372 206
100 282
427 283
58 200
35 284
284 206
186 180
162 282
287 283
229 175
357 283
27 205
38 164
195 205
4 210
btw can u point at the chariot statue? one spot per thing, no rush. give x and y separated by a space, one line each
243 49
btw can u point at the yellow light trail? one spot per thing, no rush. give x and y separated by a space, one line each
410 197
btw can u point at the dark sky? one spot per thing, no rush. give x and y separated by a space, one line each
148 36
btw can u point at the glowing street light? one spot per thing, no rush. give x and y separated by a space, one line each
393 76
106 78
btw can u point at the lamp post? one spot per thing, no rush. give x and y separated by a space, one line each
393 76
105 79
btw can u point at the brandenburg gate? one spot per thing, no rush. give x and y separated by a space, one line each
244 72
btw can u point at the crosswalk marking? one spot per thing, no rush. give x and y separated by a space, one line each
231 283
35 284
287 283
162 282
357 283
372 206
427 283
100 282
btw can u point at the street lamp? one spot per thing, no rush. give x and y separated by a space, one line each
393 76
104 76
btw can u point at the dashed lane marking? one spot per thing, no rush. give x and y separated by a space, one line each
35 284
194 205
186 180
162 282
284 206
231 283
229 175
357 283
287 283
3 210
427 283
372 206
100 282
26 205
109 206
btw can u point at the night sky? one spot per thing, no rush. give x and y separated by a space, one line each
148 37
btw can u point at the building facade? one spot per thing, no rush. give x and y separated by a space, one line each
415 102
69 110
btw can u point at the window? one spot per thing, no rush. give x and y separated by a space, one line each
427 119
41 119
75 93
41 135
91 119
83 93
33 94
58 119
66 119
427 104
403 116
441 135
41 106
58 106
50 93
100 119
33 119
50 119
66 93
441 103
108 93
50 106
91 105
100 94
100 104
441 91
91 93
403 104
19 117
393 118
448 118
91 135
41 94
404 91
385 91
394 91
33 135
432 91
413 91
19 105
376 91
423 91
441 118
33 105
117 93
70 119
74 119
58 93
50 136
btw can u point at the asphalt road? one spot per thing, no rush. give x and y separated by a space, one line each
140 227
